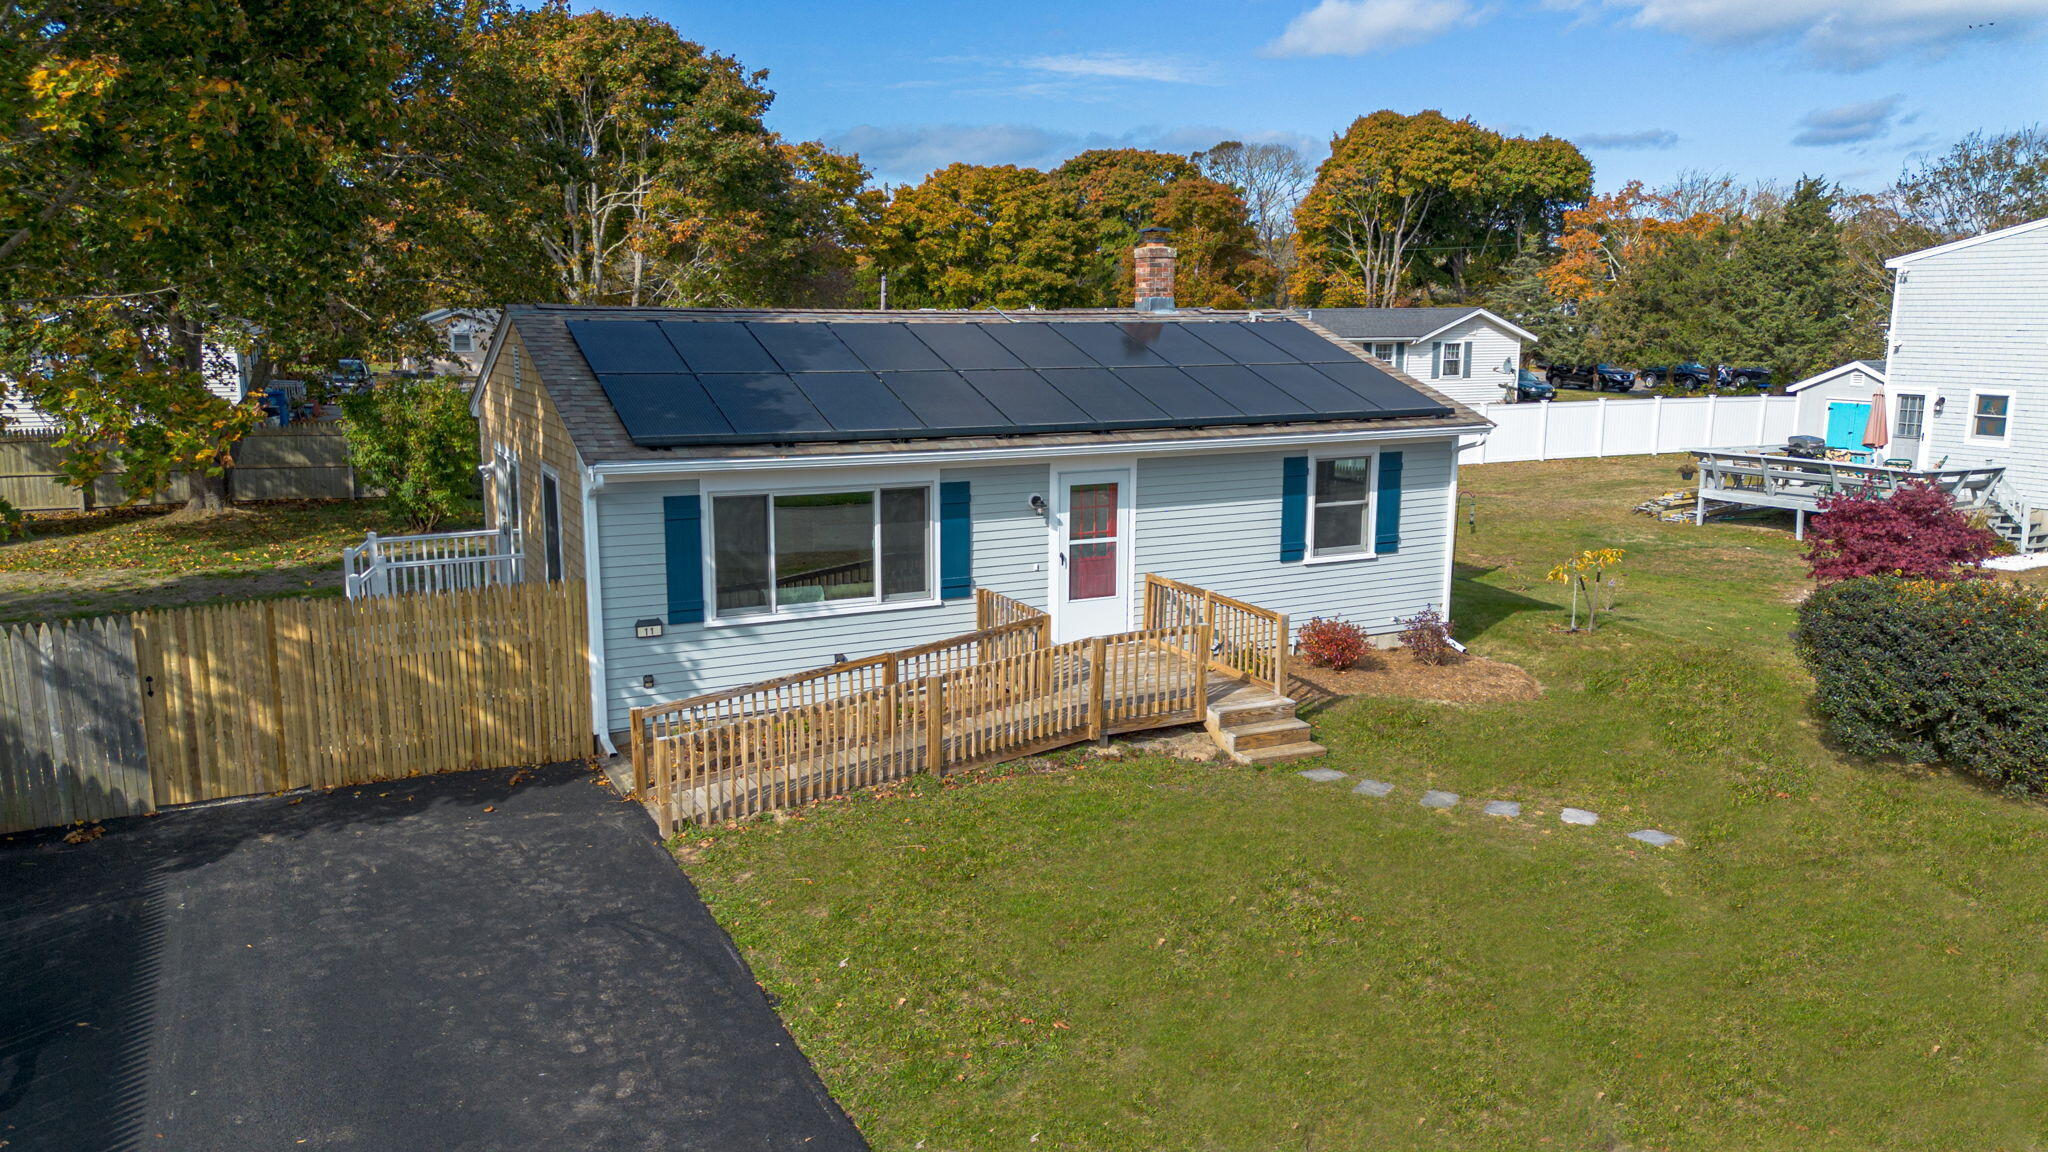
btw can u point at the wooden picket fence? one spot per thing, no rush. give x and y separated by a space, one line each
249 698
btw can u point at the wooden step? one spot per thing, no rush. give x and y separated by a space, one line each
1247 706
1280 753
1269 734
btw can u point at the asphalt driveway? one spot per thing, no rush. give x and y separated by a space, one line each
486 960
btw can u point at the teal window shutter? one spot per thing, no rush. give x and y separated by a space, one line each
956 541
683 520
1293 508
1386 536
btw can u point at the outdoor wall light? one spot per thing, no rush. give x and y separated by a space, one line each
647 681
1038 503
1940 402
646 629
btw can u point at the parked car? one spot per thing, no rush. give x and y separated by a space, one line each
1602 377
1690 374
1757 378
1530 386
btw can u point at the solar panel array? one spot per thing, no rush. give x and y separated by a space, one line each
683 382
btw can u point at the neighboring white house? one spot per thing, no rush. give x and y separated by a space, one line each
464 335
1468 354
226 372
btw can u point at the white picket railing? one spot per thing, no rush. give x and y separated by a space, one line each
431 562
1549 430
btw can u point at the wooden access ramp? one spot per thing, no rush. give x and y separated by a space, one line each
998 693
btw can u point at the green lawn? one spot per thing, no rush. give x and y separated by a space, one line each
1147 954
125 559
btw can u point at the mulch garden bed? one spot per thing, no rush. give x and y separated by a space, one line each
1468 679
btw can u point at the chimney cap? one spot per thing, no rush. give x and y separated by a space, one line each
1154 235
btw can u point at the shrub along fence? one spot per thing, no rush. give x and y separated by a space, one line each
306 461
1932 671
122 715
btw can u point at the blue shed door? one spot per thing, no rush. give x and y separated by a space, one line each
1846 422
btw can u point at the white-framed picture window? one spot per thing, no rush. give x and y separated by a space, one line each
1990 417
798 552
1340 520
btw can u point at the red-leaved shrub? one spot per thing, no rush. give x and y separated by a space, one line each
1332 643
1915 531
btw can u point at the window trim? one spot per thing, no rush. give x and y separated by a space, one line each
1372 507
468 338
1436 366
553 569
709 530
1970 417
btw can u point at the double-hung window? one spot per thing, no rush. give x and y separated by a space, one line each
1450 359
1340 521
1990 416
1385 352
778 552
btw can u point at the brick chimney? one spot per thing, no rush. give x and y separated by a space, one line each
1154 261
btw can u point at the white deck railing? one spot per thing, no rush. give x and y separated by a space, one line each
431 562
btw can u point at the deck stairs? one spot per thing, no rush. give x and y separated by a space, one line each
2016 520
1255 725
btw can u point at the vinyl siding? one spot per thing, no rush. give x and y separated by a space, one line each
1978 318
1214 521
1491 347
1207 518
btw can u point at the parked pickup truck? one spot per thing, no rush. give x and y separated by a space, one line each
1603 377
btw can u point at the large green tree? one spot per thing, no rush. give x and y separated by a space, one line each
980 236
181 178
1425 208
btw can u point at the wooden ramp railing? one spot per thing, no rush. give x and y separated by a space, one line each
998 693
1249 641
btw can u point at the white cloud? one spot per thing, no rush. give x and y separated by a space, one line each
1649 139
1857 123
1842 35
1362 27
1120 66
905 153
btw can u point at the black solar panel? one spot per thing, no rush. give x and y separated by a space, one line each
945 400
1253 395
1026 400
1301 344
1176 394
1240 343
624 346
710 347
965 347
806 347
1038 345
675 383
1315 391
764 405
1109 345
1375 385
888 347
858 402
1110 402
665 408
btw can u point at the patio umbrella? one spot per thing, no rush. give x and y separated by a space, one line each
1875 433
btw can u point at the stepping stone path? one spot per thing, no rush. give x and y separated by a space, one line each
1507 809
1503 808
1436 799
1654 838
1372 788
1579 816
1324 775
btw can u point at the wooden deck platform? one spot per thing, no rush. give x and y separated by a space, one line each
1767 478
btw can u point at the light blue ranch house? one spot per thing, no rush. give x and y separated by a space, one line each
749 494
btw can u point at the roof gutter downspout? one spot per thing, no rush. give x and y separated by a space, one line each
593 611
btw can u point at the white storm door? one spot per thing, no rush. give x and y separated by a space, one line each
1091 594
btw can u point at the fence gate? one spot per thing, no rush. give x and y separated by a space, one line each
71 741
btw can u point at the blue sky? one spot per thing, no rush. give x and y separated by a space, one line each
1758 89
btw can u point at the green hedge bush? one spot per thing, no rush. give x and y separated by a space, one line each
1942 672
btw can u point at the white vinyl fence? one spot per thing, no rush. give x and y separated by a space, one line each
1549 430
